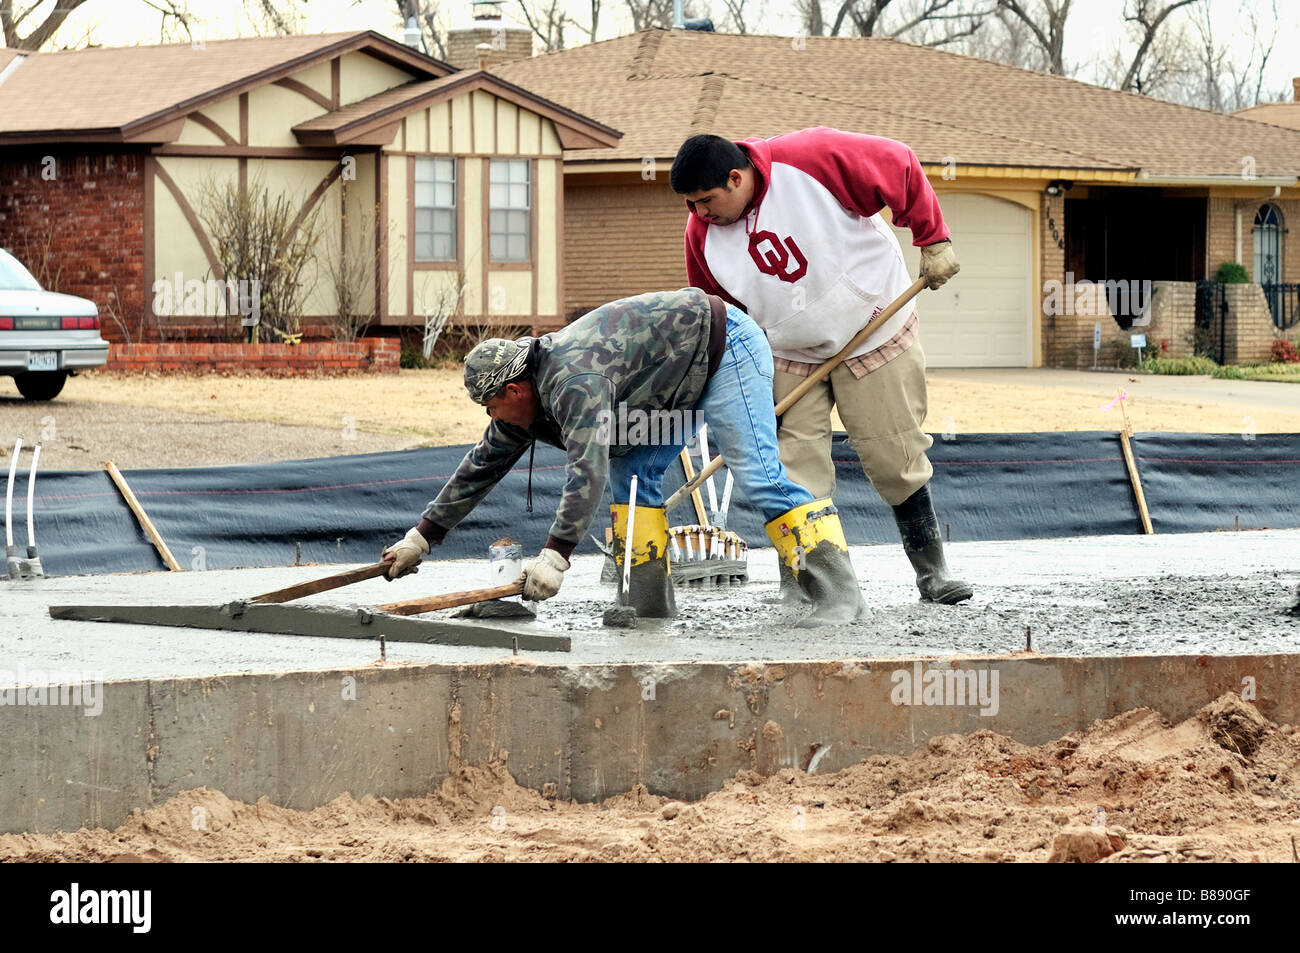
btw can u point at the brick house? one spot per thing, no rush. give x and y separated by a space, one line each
1041 178
448 178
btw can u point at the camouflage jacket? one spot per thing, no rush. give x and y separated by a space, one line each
595 378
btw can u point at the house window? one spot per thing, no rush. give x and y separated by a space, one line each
435 209
510 210
1268 245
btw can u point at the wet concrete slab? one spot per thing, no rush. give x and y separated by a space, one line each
1218 593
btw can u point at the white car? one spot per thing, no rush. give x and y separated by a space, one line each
44 336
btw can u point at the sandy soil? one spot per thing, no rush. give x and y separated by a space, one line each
1220 786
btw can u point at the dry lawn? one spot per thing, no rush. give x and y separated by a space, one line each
430 406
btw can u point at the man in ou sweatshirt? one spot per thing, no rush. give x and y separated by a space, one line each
621 390
789 229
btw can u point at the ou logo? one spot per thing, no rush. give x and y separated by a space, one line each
773 256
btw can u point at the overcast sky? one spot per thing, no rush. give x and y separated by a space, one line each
1092 28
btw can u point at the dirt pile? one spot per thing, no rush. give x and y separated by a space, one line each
1221 785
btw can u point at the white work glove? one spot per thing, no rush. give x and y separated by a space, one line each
938 264
543 575
406 554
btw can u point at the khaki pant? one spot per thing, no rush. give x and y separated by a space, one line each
882 413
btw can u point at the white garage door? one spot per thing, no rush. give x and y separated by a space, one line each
982 318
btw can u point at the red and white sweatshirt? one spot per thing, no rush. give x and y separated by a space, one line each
812 260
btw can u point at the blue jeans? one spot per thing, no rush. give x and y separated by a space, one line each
737 406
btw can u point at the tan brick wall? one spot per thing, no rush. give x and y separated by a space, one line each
1173 319
622 237
1249 331
1063 335
1221 236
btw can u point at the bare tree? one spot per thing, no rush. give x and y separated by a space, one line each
40 33
431 19
929 22
547 23
1046 26
659 13
650 13
174 13
1150 15
1245 80
1218 78
275 17
734 21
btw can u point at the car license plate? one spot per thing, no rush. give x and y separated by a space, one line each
42 360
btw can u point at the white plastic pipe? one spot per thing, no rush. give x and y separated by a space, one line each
31 499
9 496
627 543
704 465
726 495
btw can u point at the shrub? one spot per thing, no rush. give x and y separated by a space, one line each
413 357
1179 365
257 237
1284 352
1229 372
1232 273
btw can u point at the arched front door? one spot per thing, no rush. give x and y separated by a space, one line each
1268 256
1268 245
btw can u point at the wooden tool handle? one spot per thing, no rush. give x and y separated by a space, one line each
451 600
688 470
324 584
808 383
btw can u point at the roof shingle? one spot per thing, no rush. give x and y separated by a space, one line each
652 86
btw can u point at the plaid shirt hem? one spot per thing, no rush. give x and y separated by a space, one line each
863 364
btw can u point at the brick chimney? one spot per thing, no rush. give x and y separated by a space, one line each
489 42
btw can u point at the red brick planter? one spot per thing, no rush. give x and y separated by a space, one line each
376 355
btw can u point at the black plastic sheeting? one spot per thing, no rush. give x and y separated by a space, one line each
346 509
1200 483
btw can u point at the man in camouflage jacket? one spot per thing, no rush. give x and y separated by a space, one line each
683 357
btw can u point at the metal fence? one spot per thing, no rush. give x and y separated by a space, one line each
1283 304
1211 326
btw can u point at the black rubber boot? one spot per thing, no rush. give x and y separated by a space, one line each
919 529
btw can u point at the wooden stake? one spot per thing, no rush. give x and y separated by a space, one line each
1131 463
147 524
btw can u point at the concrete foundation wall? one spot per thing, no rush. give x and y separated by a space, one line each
583 732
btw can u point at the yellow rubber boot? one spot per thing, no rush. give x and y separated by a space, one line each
809 540
650 585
